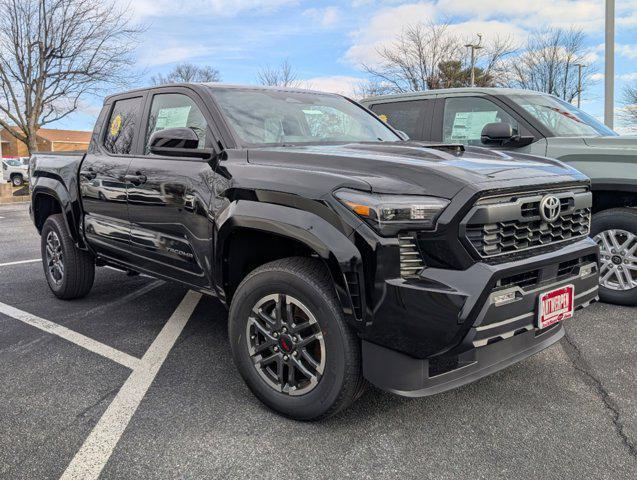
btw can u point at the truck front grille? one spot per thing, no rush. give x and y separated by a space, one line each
506 225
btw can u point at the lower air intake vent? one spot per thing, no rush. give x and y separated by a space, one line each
410 260
355 293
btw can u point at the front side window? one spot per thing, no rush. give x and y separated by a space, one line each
277 117
405 116
174 110
122 126
465 117
560 117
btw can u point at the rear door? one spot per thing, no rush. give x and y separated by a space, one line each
410 116
168 197
102 176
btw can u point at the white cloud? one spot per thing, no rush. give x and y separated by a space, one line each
491 18
173 53
218 8
628 77
627 50
325 17
341 84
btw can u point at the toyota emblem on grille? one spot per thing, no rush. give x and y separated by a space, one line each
550 208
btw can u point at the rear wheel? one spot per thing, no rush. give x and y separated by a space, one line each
290 341
69 271
615 231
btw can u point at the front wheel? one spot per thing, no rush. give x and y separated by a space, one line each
17 180
69 271
615 231
290 341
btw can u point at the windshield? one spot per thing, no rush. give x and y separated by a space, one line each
277 117
13 163
562 118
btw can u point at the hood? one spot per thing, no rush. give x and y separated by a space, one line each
622 142
417 168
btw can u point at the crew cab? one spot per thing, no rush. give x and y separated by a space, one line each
344 253
540 124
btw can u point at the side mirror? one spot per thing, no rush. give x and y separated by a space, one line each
178 142
501 134
403 136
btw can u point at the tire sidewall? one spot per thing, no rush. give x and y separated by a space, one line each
319 399
623 219
51 225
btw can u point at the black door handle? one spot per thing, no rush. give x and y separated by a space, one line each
89 174
136 179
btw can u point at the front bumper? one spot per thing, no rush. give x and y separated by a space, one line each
450 328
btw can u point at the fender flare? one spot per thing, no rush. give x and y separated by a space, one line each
332 246
70 209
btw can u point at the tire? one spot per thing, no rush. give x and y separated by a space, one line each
614 228
75 279
306 281
17 180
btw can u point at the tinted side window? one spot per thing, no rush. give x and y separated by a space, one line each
174 110
121 128
406 116
465 117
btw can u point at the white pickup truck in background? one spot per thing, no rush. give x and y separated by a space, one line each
15 170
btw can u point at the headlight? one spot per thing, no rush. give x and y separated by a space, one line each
393 212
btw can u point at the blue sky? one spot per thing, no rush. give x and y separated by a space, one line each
326 41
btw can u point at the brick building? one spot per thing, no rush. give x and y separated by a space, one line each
49 140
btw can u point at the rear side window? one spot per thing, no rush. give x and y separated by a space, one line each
121 129
406 116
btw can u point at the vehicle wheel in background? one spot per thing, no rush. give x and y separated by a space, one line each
17 180
615 231
290 341
69 271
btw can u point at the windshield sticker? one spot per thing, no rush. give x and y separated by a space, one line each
383 117
172 117
468 125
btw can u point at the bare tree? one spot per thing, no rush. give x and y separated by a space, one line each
629 99
428 56
281 76
55 52
549 61
187 73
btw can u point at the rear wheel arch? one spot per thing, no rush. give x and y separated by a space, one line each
44 205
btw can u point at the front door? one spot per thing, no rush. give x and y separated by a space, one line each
464 117
102 179
168 197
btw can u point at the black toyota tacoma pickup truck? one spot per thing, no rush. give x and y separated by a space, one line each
345 253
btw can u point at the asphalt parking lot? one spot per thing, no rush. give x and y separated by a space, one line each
136 381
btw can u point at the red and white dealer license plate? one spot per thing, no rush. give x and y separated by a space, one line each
555 306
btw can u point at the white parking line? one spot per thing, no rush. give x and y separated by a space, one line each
33 260
70 335
99 445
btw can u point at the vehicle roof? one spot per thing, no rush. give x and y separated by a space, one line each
216 85
445 91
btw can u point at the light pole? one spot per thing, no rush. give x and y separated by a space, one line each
609 69
579 83
474 47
